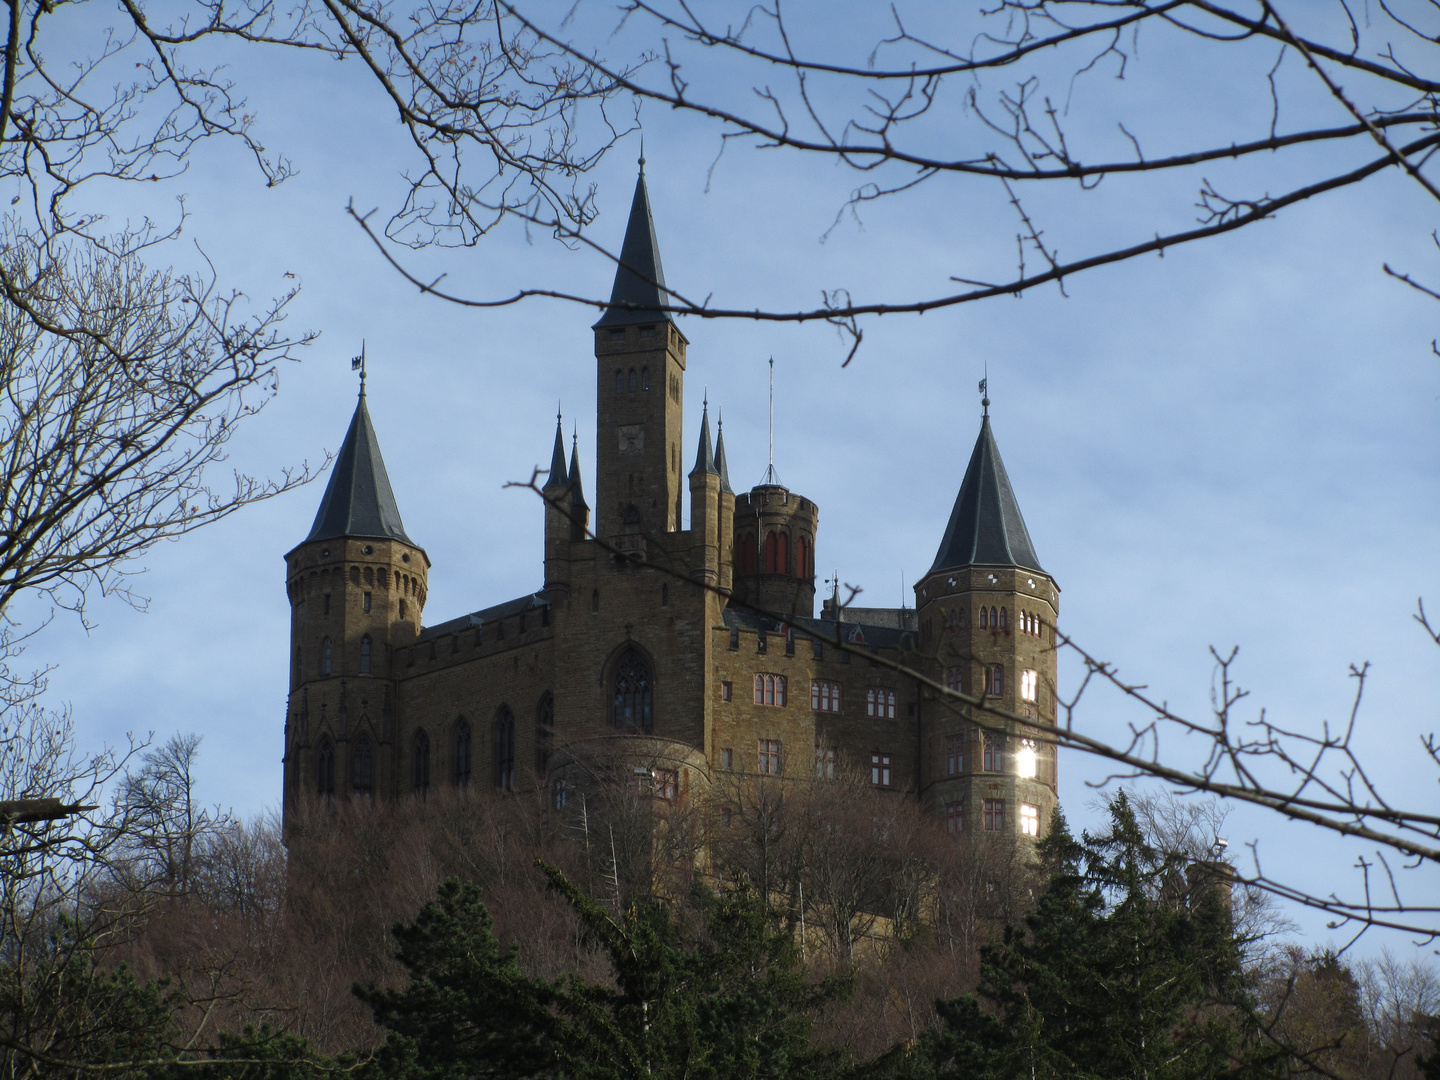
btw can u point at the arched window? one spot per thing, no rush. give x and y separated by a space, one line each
770 547
365 655
633 384
782 554
421 782
326 658
984 618
619 381
462 753
803 560
325 769
1002 619
633 692
504 744
362 767
644 378
960 618
544 732
745 553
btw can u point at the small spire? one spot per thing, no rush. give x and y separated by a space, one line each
639 292
558 477
577 489
720 456
704 453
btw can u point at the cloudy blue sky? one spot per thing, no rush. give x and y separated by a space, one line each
1234 445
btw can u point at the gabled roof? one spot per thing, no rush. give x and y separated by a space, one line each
639 289
358 499
986 527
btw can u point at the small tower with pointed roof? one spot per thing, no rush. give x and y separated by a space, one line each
557 494
640 372
705 508
727 514
357 586
987 613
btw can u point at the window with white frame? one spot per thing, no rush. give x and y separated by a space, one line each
727 758
1029 683
824 695
1025 759
954 755
825 758
1029 820
995 679
994 815
880 703
770 757
994 753
770 690
880 769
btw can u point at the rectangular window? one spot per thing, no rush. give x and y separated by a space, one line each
954 678
770 757
402 609
994 753
667 784
770 690
366 602
995 679
1029 820
1025 759
824 695
727 691
727 758
880 769
954 816
880 703
954 755
825 757
994 815
1029 682
326 609
559 794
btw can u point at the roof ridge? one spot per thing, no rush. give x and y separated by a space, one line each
986 526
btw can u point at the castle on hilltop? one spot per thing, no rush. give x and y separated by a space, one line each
693 650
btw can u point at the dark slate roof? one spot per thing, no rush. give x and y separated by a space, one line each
704 453
358 499
986 527
484 617
577 489
857 634
720 461
558 477
639 288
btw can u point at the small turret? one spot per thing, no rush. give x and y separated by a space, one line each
705 508
556 493
774 540
579 509
727 513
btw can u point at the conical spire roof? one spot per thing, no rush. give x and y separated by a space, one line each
358 499
558 477
639 289
986 527
577 490
704 453
720 459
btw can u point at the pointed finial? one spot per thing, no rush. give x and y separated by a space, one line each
985 391
357 363
642 153
575 435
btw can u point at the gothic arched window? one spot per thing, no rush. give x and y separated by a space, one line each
644 378
633 692
325 768
504 743
619 381
544 732
421 770
462 753
984 618
782 553
362 767
365 655
633 384
771 545
1002 619
326 658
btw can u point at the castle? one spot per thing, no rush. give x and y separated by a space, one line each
693 650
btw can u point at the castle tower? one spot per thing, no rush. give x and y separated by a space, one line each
727 514
987 622
640 369
774 544
357 586
557 495
705 508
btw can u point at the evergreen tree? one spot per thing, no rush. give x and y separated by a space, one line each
1128 968
717 999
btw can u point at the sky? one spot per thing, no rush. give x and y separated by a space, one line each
1232 446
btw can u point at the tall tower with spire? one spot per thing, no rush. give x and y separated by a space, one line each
640 391
987 614
357 588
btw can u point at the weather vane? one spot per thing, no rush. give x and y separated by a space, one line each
357 363
985 390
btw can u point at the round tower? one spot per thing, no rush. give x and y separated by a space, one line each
357 585
987 616
774 538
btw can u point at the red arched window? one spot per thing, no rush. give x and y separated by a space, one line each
802 559
782 554
770 553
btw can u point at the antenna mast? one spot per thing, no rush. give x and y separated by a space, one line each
771 477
